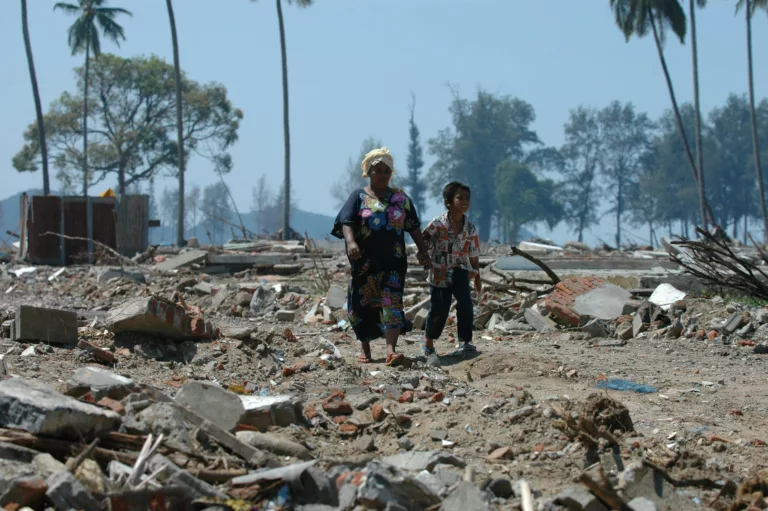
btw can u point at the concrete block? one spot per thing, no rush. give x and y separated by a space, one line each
47 325
336 297
286 316
66 492
538 321
124 273
420 320
221 407
37 408
184 259
158 317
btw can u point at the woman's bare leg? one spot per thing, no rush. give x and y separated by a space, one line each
391 335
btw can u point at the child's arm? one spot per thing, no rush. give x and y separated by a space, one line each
474 260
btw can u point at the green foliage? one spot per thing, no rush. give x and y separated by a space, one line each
131 127
524 199
581 155
486 132
637 17
92 15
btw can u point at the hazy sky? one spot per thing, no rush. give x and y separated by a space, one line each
353 65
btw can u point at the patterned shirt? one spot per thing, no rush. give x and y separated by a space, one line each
448 251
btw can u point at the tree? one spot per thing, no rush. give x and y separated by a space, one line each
581 155
286 125
36 94
750 6
84 37
627 137
192 213
486 132
179 121
217 212
261 202
524 199
170 206
696 103
415 182
132 128
352 179
637 17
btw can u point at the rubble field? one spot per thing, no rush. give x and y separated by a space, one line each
176 384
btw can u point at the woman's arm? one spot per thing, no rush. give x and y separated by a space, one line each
422 256
353 251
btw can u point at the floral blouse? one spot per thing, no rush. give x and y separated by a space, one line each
380 226
448 251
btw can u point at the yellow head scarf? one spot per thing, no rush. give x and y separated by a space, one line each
377 155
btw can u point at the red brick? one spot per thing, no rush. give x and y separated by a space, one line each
113 404
338 408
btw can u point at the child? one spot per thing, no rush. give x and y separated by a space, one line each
454 250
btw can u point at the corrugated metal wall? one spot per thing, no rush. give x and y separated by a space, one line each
121 224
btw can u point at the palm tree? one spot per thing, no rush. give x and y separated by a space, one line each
179 123
84 37
636 17
36 93
696 103
750 6
286 123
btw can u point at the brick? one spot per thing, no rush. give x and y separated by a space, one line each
113 404
24 492
97 353
47 325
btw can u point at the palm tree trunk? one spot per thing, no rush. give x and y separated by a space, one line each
286 127
755 144
85 115
697 107
704 206
179 124
36 93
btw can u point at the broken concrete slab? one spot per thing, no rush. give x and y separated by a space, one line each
420 320
336 297
605 302
264 411
204 288
263 299
37 408
595 328
182 260
579 499
422 460
540 323
466 497
158 317
100 382
561 303
638 325
66 492
264 259
47 325
385 484
290 474
123 273
210 401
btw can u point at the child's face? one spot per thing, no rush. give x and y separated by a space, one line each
460 202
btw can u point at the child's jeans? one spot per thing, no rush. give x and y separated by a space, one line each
440 307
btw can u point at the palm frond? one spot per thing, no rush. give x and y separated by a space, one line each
95 41
111 30
77 36
673 14
68 8
112 12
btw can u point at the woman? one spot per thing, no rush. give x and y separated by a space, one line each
373 223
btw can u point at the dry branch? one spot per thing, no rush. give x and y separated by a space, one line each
552 275
711 260
107 248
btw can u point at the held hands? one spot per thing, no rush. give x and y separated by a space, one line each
423 259
353 251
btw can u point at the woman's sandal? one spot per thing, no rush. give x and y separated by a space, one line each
427 351
362 359
395 359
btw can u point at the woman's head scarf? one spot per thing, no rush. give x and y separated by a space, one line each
381 155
